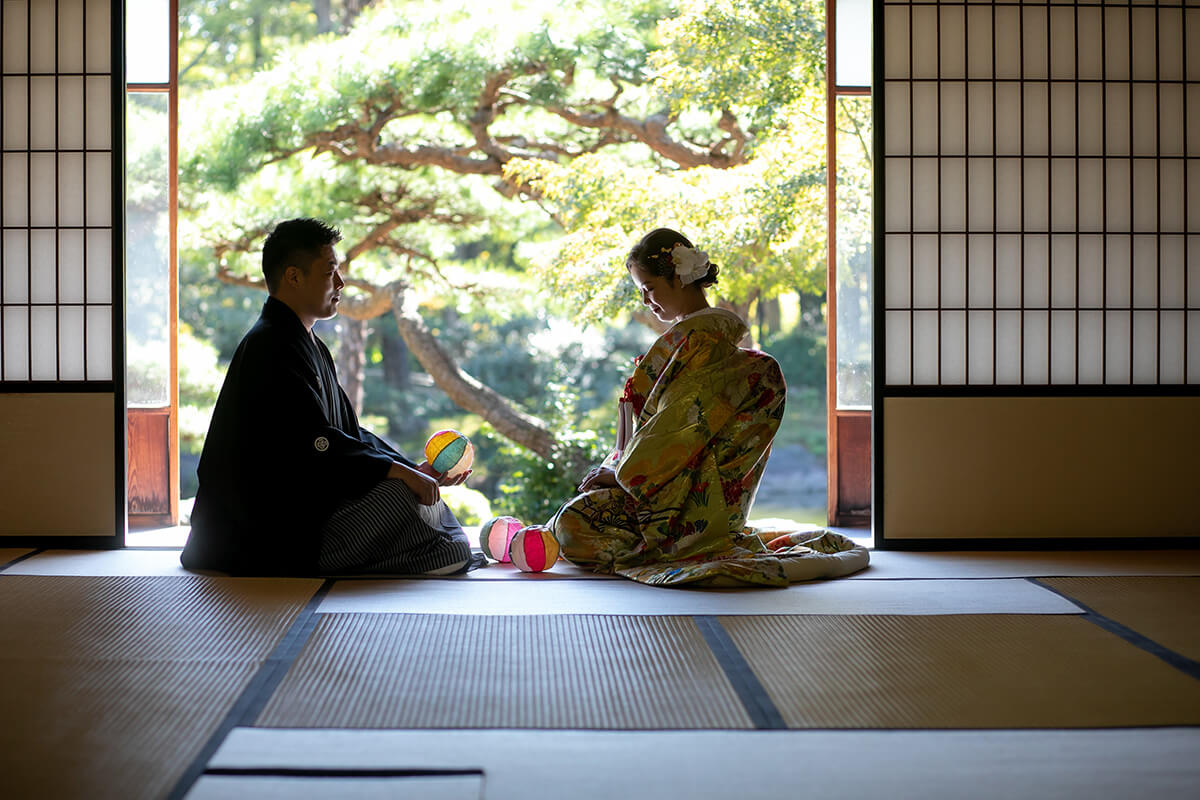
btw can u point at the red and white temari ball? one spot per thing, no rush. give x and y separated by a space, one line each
449 453
533 549
496 535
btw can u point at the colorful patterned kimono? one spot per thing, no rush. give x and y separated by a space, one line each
704 413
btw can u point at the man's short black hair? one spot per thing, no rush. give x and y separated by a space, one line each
294 242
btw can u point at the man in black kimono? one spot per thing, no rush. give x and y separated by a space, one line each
289 482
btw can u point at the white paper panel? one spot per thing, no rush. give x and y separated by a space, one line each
99 189
1193 346
148 21
980 193
99 266
1036 344
1062 347
44 344
1170 343
42 113
1117 330
1171 195
1116 44
1008 271
1170 44
1091 271
1008 119
15 50
896 189
1008 347
1007 27
898 271
979 120
1145 346
1193 118
897 100
954 119
925 194
1117 192
1118 271
1091 195
925 271
1062 194
70 35
98 24
42 34
898 348
954 347
1193 270
979 41
979 270
1091 65
1035 102
1145 48
1037 194
924 42
1091 341
70 189
1062 119
70 113
954 194
16 114
953 34
895 34
1117 118
954 271
925 118
70 266
1145 120
1062 271
1037 42
1091 119
1145 272
1170 255
1062 43
1191 27
981 336
1193 192
16 266
98 113
925 347
42 183
99 343
44 266
71 343
1036 270
854 43
16 343
1145 195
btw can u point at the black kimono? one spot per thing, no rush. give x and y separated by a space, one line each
284 452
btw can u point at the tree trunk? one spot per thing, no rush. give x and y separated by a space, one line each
466 391
352 335
396 370
324 17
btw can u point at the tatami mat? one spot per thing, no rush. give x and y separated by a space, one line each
8 554
409 787
437 671
110 686
887 564
100 563
1036 671
1165 610
629 597
760 765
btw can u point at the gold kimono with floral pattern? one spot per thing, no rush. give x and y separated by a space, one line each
704 414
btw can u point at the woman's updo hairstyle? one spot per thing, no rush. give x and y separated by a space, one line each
653 254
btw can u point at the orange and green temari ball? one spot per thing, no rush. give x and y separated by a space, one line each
449 453
496 535
533 549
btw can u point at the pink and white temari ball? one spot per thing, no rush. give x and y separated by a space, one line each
496 535
533 549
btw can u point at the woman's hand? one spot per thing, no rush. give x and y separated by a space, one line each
441 479
598 478
424 486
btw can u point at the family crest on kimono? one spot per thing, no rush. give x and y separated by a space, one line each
289 482
669 505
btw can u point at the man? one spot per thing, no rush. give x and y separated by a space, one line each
289 482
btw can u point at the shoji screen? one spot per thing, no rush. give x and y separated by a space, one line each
1038 283
61 315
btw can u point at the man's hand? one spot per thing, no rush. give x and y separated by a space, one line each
424 486
598 478
441 479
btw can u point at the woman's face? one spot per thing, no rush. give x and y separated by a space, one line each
663 296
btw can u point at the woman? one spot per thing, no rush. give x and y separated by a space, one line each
696 422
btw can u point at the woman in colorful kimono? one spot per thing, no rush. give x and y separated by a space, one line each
696 422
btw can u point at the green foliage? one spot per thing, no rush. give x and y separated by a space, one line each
200 379
469 506
531 488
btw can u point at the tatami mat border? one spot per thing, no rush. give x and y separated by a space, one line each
17 559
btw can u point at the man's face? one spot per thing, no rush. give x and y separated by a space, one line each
318 289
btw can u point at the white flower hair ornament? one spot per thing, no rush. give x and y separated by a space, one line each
690 263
